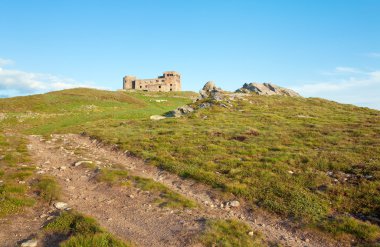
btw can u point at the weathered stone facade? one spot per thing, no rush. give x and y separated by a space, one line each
169 81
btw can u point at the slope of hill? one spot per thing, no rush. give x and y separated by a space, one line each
313 161
309 159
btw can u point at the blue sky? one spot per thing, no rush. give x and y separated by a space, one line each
324 48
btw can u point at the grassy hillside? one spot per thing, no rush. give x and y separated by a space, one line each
312 160
65 111
69 110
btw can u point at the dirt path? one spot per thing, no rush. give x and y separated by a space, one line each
15 229
129 213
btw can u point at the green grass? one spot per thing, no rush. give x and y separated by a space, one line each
165 196
113 176
81 231
98 240
269 154
13 195
48 188
229 233
13 198
273 152
71 110
347 225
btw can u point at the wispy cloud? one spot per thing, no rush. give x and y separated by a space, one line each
17 82
374 54
354 86
347 70
4 62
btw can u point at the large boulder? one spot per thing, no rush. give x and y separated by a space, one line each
210 90
209 86
267 89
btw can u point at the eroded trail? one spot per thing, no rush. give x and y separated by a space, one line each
130 213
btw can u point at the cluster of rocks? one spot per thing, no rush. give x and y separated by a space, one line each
211 91
267 89
210 94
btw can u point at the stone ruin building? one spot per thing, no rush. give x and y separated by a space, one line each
169 81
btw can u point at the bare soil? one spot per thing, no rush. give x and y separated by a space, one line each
130 213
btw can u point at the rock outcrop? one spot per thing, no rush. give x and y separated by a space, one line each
183 110
267 89
210 90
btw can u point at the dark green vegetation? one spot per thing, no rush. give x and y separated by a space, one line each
312 160
79 230
229 233
165 196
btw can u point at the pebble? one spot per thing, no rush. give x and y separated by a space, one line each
251 233
234 204
62 168
30 243
82 162
50 218
61 205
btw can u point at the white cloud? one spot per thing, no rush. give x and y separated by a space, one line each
374 54
16 82
347 70
360 88
4 62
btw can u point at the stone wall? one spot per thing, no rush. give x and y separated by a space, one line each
169 81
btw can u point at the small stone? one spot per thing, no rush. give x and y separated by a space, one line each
61 205
131 196
43 216
62 168
67 179
30 243
21 182
251 233
290 172
234 204
82 162
50 218
157 117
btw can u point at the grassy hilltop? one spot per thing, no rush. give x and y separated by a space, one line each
312 160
